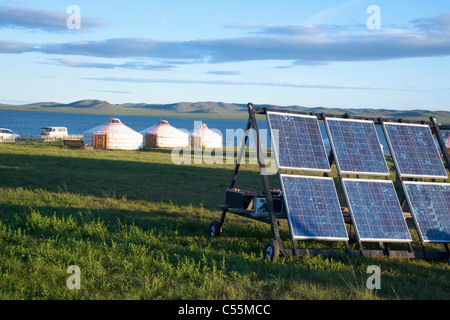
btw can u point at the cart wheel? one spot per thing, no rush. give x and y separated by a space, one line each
215 229
271 250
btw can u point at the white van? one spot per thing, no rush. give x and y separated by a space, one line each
6 135
53 133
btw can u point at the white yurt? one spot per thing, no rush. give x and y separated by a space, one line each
165 135
205 137
113 135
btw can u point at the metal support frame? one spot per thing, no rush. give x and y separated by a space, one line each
436 130
236 170
265 179
272 219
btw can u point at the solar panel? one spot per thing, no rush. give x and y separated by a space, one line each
430 208
313 208
356 147
375 210
414 151
298 142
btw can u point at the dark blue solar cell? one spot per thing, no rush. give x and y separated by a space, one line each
298 142
356 147
414 151
375 210
313 208
430 208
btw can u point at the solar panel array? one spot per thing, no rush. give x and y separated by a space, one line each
313 208
312 204
430 208
375 210
414 151
356 147
298 142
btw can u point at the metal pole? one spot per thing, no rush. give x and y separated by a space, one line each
236 167
265 180
241 153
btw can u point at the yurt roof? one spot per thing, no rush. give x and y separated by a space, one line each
204 130
164 128
114 126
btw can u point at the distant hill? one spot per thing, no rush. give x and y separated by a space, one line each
209 110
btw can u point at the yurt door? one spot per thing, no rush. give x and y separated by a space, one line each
151 140
196 142
99 141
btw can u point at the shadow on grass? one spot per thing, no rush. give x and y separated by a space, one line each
115 177
175 227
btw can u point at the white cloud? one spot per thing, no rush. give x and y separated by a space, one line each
14 47
250 83
75 63
224 72
297 44
280 29
47 20
440 23
289 43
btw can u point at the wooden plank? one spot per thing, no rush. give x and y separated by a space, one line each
73 143
99 141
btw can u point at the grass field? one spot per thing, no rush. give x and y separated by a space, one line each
136 225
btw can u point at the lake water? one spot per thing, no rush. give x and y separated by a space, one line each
27 124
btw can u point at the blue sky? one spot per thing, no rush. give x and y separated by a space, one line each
310 53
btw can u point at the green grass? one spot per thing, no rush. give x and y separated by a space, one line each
136 225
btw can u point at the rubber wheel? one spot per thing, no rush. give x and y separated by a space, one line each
215 229
271 250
